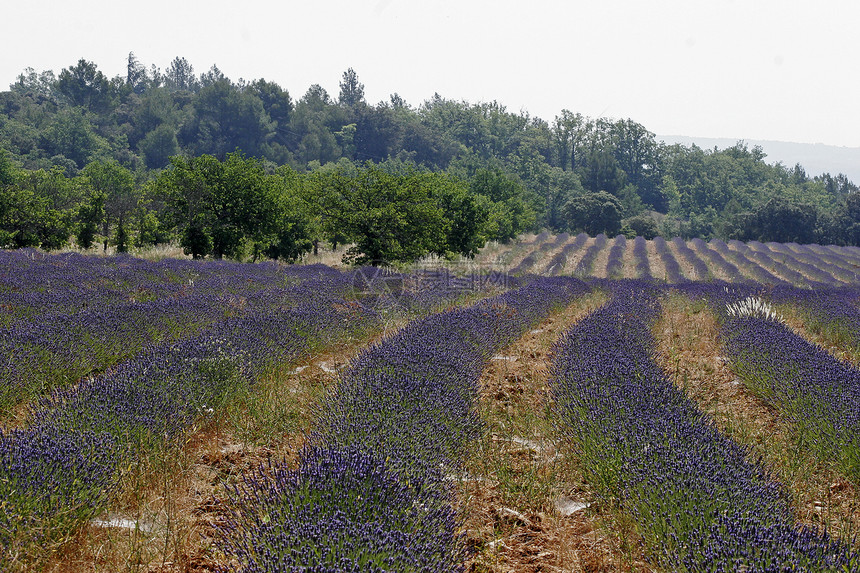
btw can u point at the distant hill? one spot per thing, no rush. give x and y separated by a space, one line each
815 158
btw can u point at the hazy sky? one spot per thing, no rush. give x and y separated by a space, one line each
754 69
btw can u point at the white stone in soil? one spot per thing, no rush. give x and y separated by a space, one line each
567 506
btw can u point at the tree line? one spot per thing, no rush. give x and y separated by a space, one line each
241 169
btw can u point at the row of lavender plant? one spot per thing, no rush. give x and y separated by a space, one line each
850 254
557 263
670 264
56 349
615 260
372 491
640 255
816 392
838 266
810 259
585 266
699 502
759 253
715 253
819 273
62 469
699 266
833 313
738 252
33 284
537 254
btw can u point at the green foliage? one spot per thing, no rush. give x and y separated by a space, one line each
522 171
7 170
780 220
71 135
83 85
28 218
90 214
390 218
218 206
594 213
158 146
643 226
511 208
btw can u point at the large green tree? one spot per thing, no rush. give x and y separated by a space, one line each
217 206
594 213
390 218
115 184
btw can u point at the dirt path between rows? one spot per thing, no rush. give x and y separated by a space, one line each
689 351
520 481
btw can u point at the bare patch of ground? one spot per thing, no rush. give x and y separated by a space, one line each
628 267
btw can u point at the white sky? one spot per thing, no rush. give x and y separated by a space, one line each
784 70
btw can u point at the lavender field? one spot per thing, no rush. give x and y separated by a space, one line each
566 403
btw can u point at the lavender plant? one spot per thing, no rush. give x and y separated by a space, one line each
640 254
673 270
371 492
615 261
699 502
586 264
557 263
699 266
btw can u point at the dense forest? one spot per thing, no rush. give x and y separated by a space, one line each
241 169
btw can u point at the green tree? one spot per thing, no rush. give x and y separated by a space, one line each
351 90
218 205
115 184
513 209
594 213
90 214
158 146
293 231
226 118
83 85
391 218
179 76
71 135
466 215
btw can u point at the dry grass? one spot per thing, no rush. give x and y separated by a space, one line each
518 472
689 351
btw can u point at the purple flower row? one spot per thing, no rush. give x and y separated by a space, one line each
699 266
56 349
558 262
743 256
640 254
818 393
817 265
673 270
716 257
33 284
62 468
700 503
615 261
586 264
372 491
